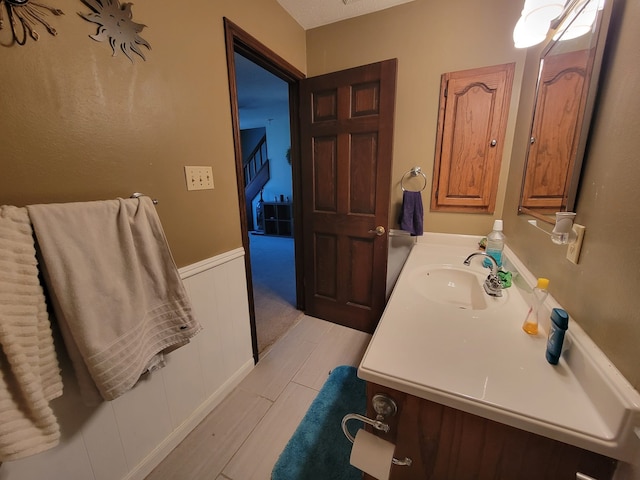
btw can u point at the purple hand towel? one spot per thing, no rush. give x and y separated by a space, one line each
412 213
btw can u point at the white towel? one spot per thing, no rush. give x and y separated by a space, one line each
29 372
115 289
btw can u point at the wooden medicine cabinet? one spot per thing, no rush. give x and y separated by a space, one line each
472 121
568 75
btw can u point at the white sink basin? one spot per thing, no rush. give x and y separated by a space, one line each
443 339
459 287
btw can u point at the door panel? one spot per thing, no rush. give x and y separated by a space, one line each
472 122
555 136
362 256
346 139
325 175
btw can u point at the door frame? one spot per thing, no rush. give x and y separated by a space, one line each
239 41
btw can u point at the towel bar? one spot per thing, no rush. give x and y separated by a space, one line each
138 194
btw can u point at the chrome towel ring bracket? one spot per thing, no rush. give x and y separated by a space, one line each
414 172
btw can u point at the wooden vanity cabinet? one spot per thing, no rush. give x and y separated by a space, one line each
448 444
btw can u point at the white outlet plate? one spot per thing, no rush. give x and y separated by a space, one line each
199 178
573 250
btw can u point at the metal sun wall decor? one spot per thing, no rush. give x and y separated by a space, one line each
115 24
23 16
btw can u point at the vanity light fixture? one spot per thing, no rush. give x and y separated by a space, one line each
524 36
535 20
579 20
539 17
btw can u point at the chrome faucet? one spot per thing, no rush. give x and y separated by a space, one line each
492 285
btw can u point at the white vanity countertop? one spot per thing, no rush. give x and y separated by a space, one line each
482 362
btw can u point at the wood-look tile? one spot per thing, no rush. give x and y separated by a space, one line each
238 440
339 346
277 367
205 452
258 455
309 329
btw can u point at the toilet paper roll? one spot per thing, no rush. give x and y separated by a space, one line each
372 455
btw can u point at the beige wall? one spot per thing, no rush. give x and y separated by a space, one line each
602 291
78 124
428 38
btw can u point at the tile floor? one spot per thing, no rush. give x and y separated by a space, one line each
243 437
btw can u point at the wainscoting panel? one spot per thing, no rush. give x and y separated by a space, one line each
126 438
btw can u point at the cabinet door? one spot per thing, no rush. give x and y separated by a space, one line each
448 444
474 106
560 105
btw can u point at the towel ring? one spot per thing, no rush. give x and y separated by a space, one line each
414 172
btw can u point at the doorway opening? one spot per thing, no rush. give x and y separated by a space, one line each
264 106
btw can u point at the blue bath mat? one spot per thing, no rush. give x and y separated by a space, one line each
318 449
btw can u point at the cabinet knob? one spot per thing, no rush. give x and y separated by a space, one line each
494 142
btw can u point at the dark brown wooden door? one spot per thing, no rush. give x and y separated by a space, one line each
346 146
474 106
560 105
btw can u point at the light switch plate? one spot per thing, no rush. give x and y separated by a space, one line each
573 250
199 178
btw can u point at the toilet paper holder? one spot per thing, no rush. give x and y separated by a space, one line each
384 406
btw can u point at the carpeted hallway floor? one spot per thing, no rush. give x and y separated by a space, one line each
274 287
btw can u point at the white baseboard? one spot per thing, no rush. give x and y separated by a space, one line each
154 458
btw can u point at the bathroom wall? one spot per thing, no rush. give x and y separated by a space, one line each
127 437
600 292
428 39
80 124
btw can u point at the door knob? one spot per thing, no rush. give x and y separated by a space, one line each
379 230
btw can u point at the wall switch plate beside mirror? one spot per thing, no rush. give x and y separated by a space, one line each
568 76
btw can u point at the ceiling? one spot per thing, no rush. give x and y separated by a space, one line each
262 94
315 13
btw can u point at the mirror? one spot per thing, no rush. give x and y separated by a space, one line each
565 93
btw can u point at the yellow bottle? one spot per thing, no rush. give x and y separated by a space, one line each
539 296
